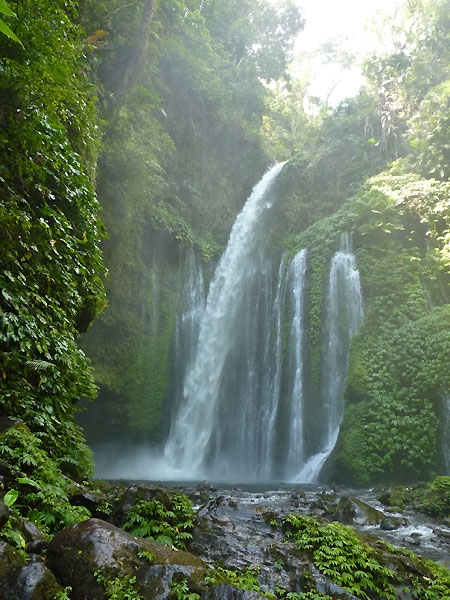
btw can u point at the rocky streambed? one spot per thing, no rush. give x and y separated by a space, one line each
244 546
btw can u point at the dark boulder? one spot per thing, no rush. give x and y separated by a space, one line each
134 494
96 502
327 587
89 554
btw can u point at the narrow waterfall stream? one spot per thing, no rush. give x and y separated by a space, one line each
187 323
296 449
344 313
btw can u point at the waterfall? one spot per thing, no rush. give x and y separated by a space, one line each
240 407
296 449
239 294
344 313
187 323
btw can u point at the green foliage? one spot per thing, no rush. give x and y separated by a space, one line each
10 534
171 525
430 152
243 580
340 555
397 370
120 588
434 584
182 592
50 257
44 501
437 498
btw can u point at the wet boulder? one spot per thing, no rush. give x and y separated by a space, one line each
133 494
391 523
351 510
90 555
30 531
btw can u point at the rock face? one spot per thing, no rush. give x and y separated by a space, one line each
93 552
19 581
228 592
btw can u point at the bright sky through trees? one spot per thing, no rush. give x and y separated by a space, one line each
346 22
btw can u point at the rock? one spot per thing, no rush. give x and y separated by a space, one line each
30 531
393 497
392 523
9 559
132 495
393 509
318 504
228 592
204 486
79 551
4 514
413 539
30 582
442 533
327 587
7 423
37 547
351 510
96 502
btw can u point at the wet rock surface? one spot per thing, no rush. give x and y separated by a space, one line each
235 523
78 553
228 592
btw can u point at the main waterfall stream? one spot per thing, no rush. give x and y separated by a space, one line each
211 434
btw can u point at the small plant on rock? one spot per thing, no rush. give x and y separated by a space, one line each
153 520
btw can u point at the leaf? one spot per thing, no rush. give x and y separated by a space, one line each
27 481
10 497
39 365
7 31
4 8
18 538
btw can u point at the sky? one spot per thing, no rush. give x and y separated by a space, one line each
340 19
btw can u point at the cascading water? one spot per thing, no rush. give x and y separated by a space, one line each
343 315
238 403
232 319
296 451
187 323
